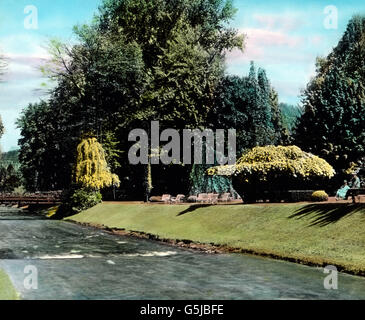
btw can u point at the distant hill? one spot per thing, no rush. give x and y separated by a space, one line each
11 157
291 114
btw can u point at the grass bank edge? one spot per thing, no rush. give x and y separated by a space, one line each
311 234
7 290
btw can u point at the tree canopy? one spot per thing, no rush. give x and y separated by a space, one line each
250 105
92 170
333 122
137 61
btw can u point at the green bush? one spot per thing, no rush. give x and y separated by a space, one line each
19 191
78 199
84 199
319 196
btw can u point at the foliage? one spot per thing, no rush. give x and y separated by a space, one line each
92 170
273 168
10 178
319 196
10 175
290 115
138 61
2 128
202 183
10 157
19 191
112 152
76 199
249 105
84 199
183 45
263 162
333 122
45 155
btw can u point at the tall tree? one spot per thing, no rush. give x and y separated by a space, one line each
333 122
139 61
249 105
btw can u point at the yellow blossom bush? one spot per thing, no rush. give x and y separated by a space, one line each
275 168
319 196
92 170
271 160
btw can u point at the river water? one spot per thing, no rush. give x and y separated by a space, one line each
74 262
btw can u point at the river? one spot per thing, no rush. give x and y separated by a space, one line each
74 262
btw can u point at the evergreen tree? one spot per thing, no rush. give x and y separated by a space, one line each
249 105
333 122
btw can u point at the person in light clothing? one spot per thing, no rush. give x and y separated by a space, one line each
342 192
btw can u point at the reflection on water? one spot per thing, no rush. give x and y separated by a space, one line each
76 262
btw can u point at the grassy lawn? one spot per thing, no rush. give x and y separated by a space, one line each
7 291
318 234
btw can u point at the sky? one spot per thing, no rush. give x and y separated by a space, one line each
283 37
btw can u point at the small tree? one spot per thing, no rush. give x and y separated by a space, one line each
92 173
92 170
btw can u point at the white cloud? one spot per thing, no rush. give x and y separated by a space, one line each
279 22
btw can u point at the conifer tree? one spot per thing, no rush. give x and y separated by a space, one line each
333 122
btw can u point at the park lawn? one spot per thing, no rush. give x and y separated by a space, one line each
7 291
318 234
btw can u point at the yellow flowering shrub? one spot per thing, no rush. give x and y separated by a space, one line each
353 168
319 196
264 162
275 170
92 170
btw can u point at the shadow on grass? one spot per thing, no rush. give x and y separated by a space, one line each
326 214
193 207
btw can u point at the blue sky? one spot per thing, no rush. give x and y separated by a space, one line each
283 37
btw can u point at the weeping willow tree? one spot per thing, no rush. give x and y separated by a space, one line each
92 170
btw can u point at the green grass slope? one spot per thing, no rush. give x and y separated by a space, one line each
7 291
310 233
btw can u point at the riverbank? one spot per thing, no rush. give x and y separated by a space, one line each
7 291
312 234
